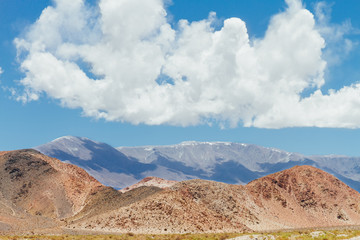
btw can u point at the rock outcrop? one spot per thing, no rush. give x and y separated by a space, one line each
151 182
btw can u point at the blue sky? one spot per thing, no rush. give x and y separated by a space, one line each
37 109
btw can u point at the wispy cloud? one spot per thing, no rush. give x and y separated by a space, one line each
336 35
122 61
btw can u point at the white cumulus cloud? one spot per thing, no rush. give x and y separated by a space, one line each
123 61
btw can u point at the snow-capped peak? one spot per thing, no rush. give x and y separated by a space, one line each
189 143
194 143
74 146
73 139
224 161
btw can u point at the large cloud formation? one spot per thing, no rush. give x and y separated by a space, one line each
123 61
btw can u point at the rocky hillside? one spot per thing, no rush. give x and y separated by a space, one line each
43 194
315 197
150 182
302 196
39 190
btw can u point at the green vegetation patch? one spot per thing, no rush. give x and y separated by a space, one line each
307 235
128 236
296 235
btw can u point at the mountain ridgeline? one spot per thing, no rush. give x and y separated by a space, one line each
232 163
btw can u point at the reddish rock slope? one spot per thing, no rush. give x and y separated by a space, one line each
303 196
37 192
35 189
299 197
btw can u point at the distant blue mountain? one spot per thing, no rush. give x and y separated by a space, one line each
219 161
98 159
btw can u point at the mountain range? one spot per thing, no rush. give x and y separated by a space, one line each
233 163
40 194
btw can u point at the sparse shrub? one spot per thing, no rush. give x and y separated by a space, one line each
223 237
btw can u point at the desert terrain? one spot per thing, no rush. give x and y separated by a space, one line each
42 195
